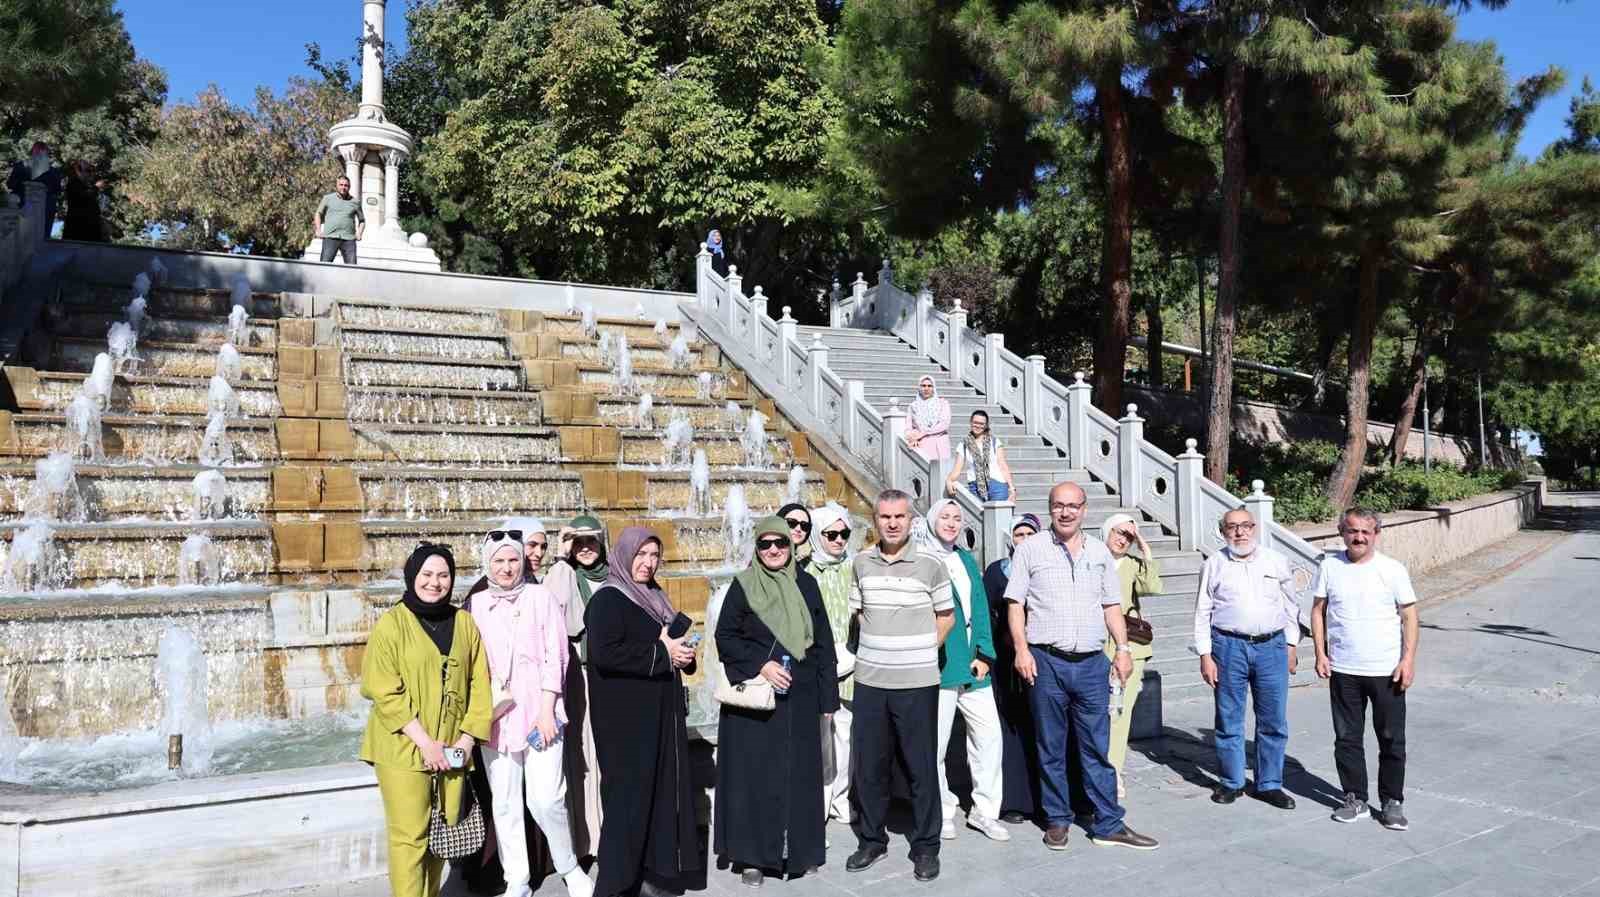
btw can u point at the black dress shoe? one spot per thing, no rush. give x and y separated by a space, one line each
1221 795
1276 797
1013 817
925 867
864 858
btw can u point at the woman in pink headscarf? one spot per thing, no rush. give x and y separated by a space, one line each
928 422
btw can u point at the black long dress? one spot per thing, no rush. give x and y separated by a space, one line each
636 702
1020 755
769 763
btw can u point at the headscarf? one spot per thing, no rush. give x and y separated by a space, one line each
529 526
801 549
936 545
647 595
715 246
1111 523
589 578
1029 520
925 412
440 614
487 551
823 518
774 595
978 449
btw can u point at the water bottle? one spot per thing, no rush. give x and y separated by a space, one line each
1116 694
785 661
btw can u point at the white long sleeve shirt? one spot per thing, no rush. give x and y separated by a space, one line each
1251 596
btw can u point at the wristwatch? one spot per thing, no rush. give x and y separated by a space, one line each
1124 648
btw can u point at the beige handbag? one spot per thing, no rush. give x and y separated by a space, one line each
755 693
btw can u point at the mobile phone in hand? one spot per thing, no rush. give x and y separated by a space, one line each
456 757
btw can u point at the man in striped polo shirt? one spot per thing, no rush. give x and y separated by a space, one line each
902 604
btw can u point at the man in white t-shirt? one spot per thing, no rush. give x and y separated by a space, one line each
1364 624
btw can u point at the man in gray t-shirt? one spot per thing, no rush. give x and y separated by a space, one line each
339 222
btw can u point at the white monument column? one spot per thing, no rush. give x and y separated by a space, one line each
391 193
352 154
372 60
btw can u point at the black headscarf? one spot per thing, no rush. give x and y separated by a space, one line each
438 617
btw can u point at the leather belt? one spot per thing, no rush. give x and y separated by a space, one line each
1068 656
1252 639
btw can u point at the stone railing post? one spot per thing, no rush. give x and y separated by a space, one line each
994 381
894 430
758 311
854 394
1078 422
836 316
735 292
1130 478
1259 504
955 354
702 283
919 327
1190 471
997 517
33 208
816 361
780 353
1033 395
885 274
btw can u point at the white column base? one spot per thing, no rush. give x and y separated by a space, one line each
381 250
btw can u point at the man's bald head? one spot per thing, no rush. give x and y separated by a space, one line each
1067 503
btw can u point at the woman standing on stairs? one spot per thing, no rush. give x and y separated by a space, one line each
929 422
1140 576
579 571
637 660
525 637
769 769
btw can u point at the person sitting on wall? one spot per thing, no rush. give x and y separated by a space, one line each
982 457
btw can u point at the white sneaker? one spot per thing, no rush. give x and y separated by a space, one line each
991 828
578 883
947 830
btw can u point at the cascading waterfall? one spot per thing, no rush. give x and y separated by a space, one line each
795 491
623 369
754 440
604 349
32 564
644 413
638 310
678 352
97 386
83 425
210 495
55 494
230 366
221 398
184 681
141 283
589 322
678 441
10 742
702 386
570 296
733 416
239 326
738 529
123 341
137 311
699 485
661 331
216 447
199 561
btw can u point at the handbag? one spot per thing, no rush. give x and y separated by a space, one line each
452 842
1138 628
755 693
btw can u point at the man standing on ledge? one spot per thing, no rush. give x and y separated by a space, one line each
1246 620
1364 625
1064 597
902 602
339 222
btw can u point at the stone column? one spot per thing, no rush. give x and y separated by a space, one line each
1078 422
1130 473
371 60
391 192
353 154
1259 504
1033 395
1190 467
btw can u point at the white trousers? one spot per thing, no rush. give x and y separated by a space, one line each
836 794
538 777
984 746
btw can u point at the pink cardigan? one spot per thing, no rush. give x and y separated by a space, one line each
525 636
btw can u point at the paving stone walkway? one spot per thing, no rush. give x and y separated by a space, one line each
1503 779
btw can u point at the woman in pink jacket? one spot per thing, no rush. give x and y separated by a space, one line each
525 637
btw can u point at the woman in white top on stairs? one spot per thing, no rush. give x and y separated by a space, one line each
983 459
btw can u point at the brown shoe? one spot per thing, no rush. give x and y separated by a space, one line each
1127 837
1055 837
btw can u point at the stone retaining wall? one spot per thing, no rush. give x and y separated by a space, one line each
1425 539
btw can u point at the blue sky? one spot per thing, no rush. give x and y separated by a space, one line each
254 43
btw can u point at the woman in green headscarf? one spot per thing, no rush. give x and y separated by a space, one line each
769 762
579 571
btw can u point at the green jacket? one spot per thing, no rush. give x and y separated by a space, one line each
1138 578
960 649
400 674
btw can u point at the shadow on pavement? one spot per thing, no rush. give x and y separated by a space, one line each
1195 759
1507 630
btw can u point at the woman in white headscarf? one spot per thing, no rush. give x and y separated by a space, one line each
928 421
829 564
965 661
1139 575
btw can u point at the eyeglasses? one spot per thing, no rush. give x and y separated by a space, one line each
1064 506
796 523
496 535
770 544
1238 527
836 535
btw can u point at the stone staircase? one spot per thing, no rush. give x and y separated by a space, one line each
890 369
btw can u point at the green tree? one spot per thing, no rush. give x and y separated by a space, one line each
58 57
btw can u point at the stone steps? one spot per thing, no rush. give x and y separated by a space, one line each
165 358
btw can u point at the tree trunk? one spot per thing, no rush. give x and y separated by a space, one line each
1416 375
1116 259
1219 388
1156 335
1347 473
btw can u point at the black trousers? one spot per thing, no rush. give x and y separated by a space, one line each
1349 696
903 721
332 246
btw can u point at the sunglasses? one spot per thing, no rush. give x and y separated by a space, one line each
496 535
769 544
796 523
586 542
836 534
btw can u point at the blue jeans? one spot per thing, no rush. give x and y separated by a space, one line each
1075 695
998 491
1263 669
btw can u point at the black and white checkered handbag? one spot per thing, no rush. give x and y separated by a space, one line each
465 838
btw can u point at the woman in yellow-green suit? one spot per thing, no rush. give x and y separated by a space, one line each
1140 576
427 677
